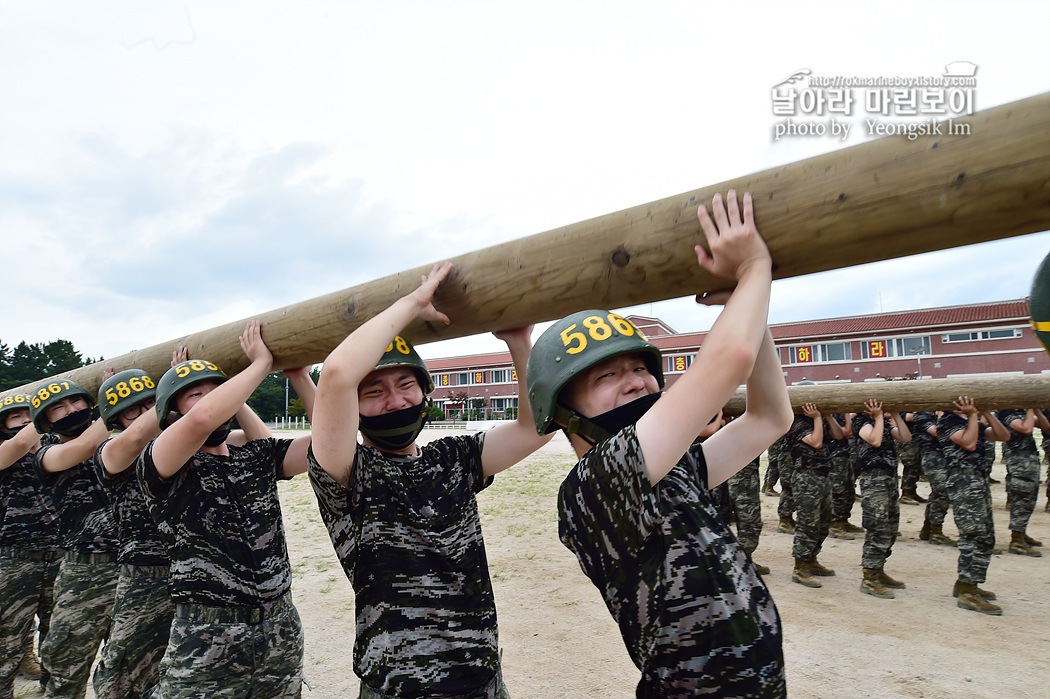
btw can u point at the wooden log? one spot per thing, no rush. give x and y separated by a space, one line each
988 393
883 199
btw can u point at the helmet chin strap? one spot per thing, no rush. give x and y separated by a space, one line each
602 427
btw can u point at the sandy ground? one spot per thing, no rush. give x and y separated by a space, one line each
559 641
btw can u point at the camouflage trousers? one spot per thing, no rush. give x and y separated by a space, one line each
494 689
1022 485
879 502
936 469
971 498
773 463
786 506
80 621
744 495
233 653
843 488
911 460
130 662
26 582
812 491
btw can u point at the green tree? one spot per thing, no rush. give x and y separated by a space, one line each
29 363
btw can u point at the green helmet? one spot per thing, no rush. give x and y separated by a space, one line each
573 345
1039 303
17 401
50 393
402 353
122 391
182 375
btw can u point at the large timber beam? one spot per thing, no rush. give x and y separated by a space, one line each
883 199
988 393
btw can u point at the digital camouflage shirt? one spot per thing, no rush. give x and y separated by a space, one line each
86 523
837 447
1018 443
806 456
694 615
140 540
27 520
408 535
920 422
868 456
228 536
955 455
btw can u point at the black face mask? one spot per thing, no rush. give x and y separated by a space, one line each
74 424
9 433
219 436
395 431
627 414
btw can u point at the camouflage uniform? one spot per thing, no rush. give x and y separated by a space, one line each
773 462
933 465
694 615
971 498
812 490
841 478
230 575
1022 471
408 534
911 460
879 495
142 612
28 564
743 491
786 467
87 577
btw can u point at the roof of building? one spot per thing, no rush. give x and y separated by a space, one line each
664 337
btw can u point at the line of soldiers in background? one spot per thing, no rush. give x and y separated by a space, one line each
821 459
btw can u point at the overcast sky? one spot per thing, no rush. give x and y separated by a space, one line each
167 167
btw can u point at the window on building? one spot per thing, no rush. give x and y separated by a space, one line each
825 352
982 335
463 378
500 376
679 362
895 347
504 404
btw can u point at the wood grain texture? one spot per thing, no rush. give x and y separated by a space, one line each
879 200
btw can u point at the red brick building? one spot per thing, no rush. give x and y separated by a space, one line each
956 341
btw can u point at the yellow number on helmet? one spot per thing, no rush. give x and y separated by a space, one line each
597 328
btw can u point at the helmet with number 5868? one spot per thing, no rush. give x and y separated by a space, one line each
124 390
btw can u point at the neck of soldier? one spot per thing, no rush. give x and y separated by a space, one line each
217 450
410 450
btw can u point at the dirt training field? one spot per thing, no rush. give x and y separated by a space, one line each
558 639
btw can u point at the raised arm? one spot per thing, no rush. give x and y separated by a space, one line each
507 444
181 440
900 430
13 449
730 350
967 438
834 428
123 450
872 434
64 456
336 413
305 388
767 417
252 427
996 431
814 439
